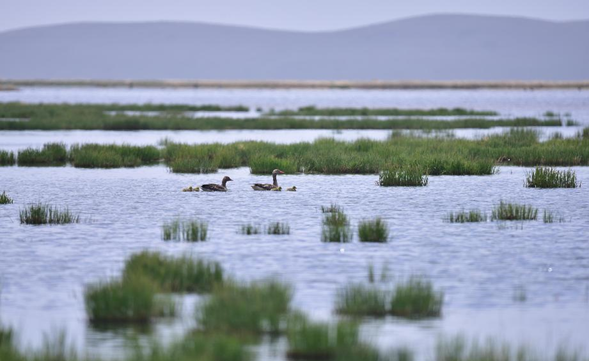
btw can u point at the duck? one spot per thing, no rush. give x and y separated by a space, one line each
216 187
268 187
191 189
292 188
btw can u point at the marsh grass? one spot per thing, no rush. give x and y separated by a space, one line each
458 348
407 176
51 154
509 211
250 229
132 299
466 216
313 111
7 158
326 342
376 231
186 165
547 177
278 228
336 227
415 299
182 274
246 309
112 156
185 230
264 165
361 300
41 214
194 347
5 199
333 208
8 348
550 217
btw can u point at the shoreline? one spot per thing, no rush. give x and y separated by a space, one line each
6 84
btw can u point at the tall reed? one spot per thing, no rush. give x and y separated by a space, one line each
7 158
336 228
40 214
185 230
509 211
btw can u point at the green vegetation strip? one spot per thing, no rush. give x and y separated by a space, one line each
313 111
547 177
101 117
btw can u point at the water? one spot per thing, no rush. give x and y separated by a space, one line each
479 266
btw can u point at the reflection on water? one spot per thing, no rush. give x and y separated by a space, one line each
44 268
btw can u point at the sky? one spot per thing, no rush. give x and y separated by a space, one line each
301 15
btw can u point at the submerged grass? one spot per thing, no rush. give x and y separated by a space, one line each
336 227
547 177
41 214
7 158
183 274
5 199
403 176
466 216
250 229
51 154
376 231
278 228
313 111
132 299
96 117
185 230
509 211
361 300
549 217
416 298
245 309
333 208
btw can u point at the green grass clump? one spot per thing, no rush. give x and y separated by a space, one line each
257 307
360 300
416 298
185 230
313 111
8 348
183 274
466 216
327 342
264 165
459 349
5 199
508 211
331 209
547 177
41 214
373 231
278 228
409 176
132 299
7 158
549 217
336 228
112 156
51 154
250 229
195 347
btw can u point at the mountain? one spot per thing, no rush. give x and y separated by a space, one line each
435 47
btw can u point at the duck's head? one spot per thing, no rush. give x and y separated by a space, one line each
294 188
276 171
226 179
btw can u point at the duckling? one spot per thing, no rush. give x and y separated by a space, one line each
187 189
276 189
292 188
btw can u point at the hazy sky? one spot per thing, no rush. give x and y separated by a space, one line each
306 15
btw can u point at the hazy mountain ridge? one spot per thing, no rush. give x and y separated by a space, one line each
437 47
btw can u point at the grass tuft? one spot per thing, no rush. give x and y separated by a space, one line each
278 228
41 214
416 298
403 176
7 158
360 300
183 274
250 229
508 211
257 307
336 227
185 230
5 199
331 209
466 216
52 154
547 177
376 231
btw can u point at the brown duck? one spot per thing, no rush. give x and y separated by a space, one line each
268 187
216 187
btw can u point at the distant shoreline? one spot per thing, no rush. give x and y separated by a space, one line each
296 84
